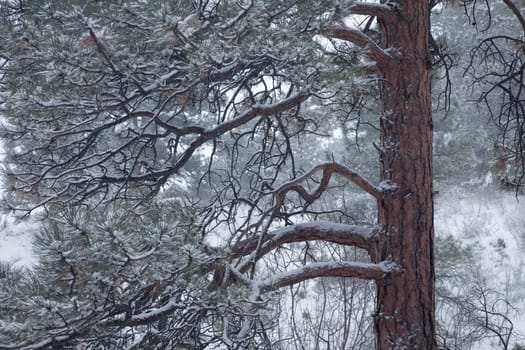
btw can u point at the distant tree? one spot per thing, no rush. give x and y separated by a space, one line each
497 66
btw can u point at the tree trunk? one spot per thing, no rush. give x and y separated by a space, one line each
405 300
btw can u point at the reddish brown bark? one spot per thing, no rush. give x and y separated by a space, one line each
405 301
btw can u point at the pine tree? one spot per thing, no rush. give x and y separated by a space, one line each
177 146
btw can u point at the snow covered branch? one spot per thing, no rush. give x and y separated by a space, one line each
329 269
357 37
354 177
262 110
230 70
351 235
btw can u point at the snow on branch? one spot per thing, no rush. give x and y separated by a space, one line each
351 235
258 109
156 313
357 37
354 177
327 269
228 71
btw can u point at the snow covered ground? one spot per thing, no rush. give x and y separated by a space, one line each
492 222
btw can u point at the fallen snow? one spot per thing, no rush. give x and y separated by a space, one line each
16 241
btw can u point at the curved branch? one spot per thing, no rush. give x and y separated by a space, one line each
351 235
209 134
258 109
356 179
353 269
328 170
516 12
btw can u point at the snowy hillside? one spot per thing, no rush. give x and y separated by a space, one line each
491 224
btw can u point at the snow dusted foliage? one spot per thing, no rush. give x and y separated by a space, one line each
110 279
107 100
122 278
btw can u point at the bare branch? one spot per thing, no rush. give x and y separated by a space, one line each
328 170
